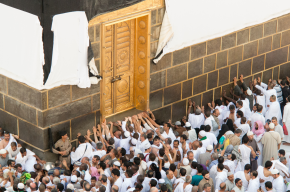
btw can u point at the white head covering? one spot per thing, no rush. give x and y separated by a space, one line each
250 133
133 141
249 92
161 181
147 146
202 133
209 147
275 171
2 151
185 161
73 178
271 126
127 134
187 124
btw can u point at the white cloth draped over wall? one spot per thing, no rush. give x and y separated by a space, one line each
21 47
22 55
195 21
70 51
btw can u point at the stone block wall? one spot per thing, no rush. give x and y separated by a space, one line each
202 71
29 113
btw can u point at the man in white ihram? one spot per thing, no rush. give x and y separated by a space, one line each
84 150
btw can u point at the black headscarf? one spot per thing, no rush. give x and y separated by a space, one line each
230 125
223 130
156 170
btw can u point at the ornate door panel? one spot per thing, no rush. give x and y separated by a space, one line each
124 64
119 65
108 69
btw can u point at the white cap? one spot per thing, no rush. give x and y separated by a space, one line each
185 161
147 146
73 178
20 186
250 133
249 92
133 141
209 147
187 124
2 151
202 133
271 126
127 134
161 181
275 171
178 123
70 186
117 163
229 173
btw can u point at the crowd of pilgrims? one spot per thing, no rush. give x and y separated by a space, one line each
232 144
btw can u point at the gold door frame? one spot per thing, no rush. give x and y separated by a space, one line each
141 64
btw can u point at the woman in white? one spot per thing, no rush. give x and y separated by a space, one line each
286 120
259 131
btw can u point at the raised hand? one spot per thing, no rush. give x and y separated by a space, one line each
189 102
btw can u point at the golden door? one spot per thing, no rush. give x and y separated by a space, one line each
118 72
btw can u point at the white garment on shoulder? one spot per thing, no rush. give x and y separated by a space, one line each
81 152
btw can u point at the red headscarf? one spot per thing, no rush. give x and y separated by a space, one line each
260 130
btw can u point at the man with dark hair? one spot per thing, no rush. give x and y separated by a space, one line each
239 185
244 175
116 176
257 116
63 147
239 115
28 159
206 179
254 182
221 176
7 138
127 181
83 150
60 187
265 173
198 177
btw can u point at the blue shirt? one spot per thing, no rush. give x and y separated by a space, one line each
196 179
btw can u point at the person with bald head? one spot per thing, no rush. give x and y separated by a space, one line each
222 187
168 178
33 187
115 188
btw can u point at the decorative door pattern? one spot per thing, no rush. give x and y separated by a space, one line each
124 68
118 68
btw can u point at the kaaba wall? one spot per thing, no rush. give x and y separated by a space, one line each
200 72
46 9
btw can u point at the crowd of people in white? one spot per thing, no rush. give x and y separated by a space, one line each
232 145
